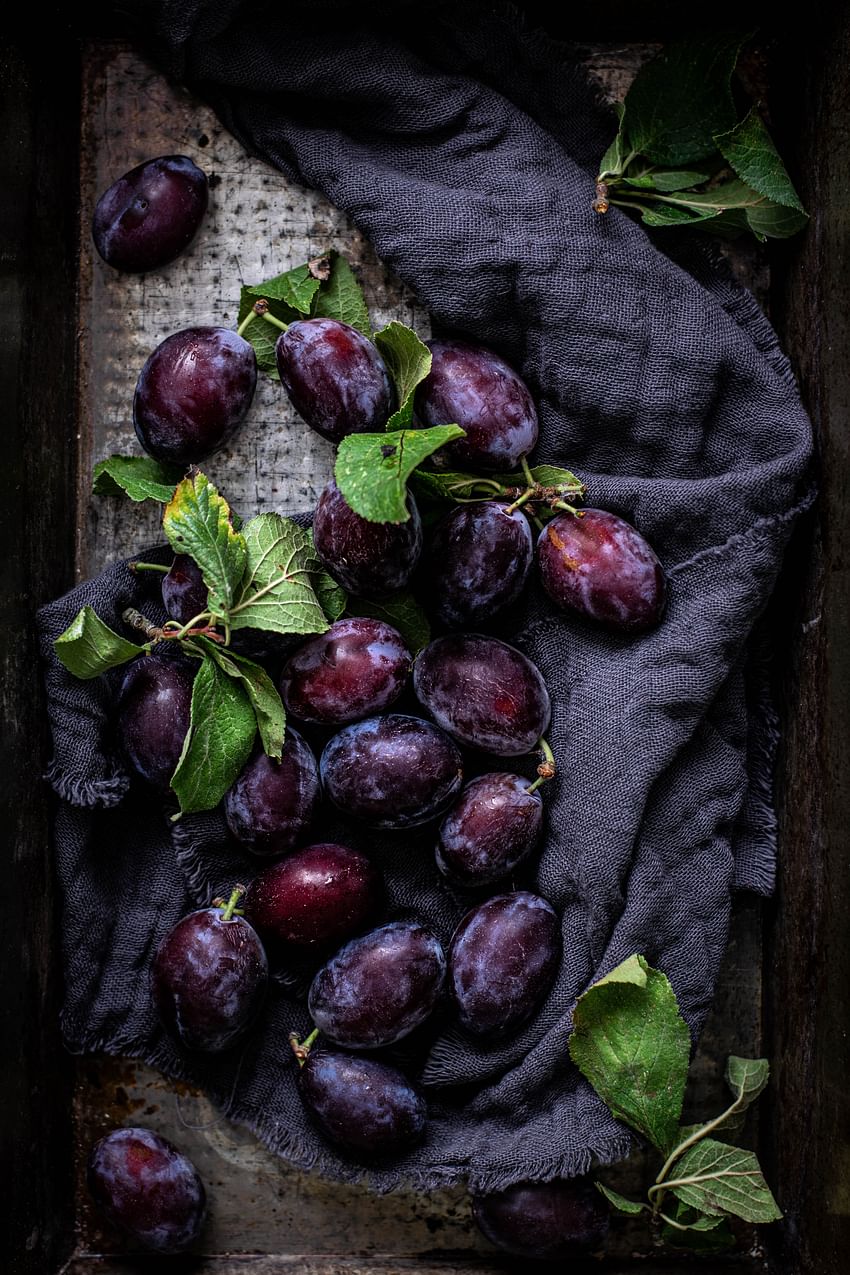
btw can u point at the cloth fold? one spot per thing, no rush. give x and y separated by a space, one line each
464 149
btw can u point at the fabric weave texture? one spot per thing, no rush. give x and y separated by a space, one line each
466 152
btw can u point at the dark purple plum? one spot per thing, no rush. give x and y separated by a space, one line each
597 565
322 894
154 705
193 392
493 828
544 1220
380 987
486 694
479 558
273 803
357 668
335 378
471 386
366 1107
392 772
208 979
503 959
369 559
144 1185
151 214
184 594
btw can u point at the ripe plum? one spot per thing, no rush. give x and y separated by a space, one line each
370 559
272 804
193 392
599 566
380 987
503 959
150 214
364 1106
393 771
154 705
335 377
144 1185
184 594
208 978
473 387
356 668
543 1220
486 694
479 558
494 826
322 894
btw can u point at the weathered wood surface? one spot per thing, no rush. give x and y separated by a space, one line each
260 224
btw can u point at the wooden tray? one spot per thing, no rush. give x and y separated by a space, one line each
75 335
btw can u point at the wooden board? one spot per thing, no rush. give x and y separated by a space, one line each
258 225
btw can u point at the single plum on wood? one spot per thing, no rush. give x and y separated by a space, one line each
486 694
392 772
503 959
208 979
321 894
380 987
479 558
369 559
544 1220
272 805
335 378
193 392
154 705
144 1185
366 1107
357 668
473 387
597 565
492 829
147 217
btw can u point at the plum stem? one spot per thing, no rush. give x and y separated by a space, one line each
526 469
261 308
521 500
547 768
230 906
136 567
301 1049
136 620
249 319
570 509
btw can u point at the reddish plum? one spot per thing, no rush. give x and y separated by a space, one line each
599 566
473 387
370 559
492 829
193 392
479 558
144 1185
357 668
322 894
335 377
486 694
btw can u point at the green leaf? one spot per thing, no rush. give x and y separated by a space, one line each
88 647
765 218
671 215
704 1233
449 486
197 521
331 596
667 179
139 477
372 469
403 612
747 1078
408 361
682 98
342 297
630 1042
621 1202
748 148
611 164
277 592
774 221
261 690
714 1177
219 740
290 297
